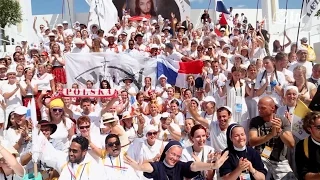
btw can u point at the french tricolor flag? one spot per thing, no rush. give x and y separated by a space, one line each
177 72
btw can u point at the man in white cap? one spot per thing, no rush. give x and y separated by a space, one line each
66 30
163 86
302 55
112 46
3 70
80 46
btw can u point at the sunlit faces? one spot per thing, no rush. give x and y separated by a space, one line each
113 147
151 137
56 112
85 106
153 108
46 130
298 75
315 129
302 56
215 66
173 155
236 75
265 108
75 153
268 64
187 94
124 95
163 81
291 97
223 119
84 129
316 71
189 123
19 119
238 137
199 138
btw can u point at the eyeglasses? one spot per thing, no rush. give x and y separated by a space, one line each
73 150
317 127
152 133
111 144
21 58
8 59
57 109
84 127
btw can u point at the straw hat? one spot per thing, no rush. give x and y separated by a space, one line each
107 118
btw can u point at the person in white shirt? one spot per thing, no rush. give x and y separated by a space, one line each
12 92
114 164
80 46
162 88
10 168
217 128
174 55
66 31
281 62
79 161
302 54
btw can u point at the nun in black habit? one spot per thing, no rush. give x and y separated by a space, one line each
169 167
244 162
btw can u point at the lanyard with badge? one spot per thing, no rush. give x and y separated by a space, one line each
245 175
268 147
74 176
238 105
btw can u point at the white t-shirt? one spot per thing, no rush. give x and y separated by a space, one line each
203 155
62 132
95 120
176 56
29 90
159 89
307 65
218 138
44 82
16 99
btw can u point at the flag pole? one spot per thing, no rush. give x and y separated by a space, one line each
285 23
299 24
258 2
98 14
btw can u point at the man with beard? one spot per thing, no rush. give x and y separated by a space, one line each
113 162
79 165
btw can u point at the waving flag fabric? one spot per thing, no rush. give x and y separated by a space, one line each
220 7
300 112
177 72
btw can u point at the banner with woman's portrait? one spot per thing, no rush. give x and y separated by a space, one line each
154 8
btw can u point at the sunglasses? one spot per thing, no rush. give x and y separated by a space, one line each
84 127
152 133
56 109
111 144
73 150
8 59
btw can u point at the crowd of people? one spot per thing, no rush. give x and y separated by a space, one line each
233 121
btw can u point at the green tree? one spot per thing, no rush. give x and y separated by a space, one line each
318 13
10 14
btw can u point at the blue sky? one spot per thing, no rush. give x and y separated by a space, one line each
55 6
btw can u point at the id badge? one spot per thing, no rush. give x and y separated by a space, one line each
238 105
266 152
245 176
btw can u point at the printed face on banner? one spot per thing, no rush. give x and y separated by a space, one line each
153 8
